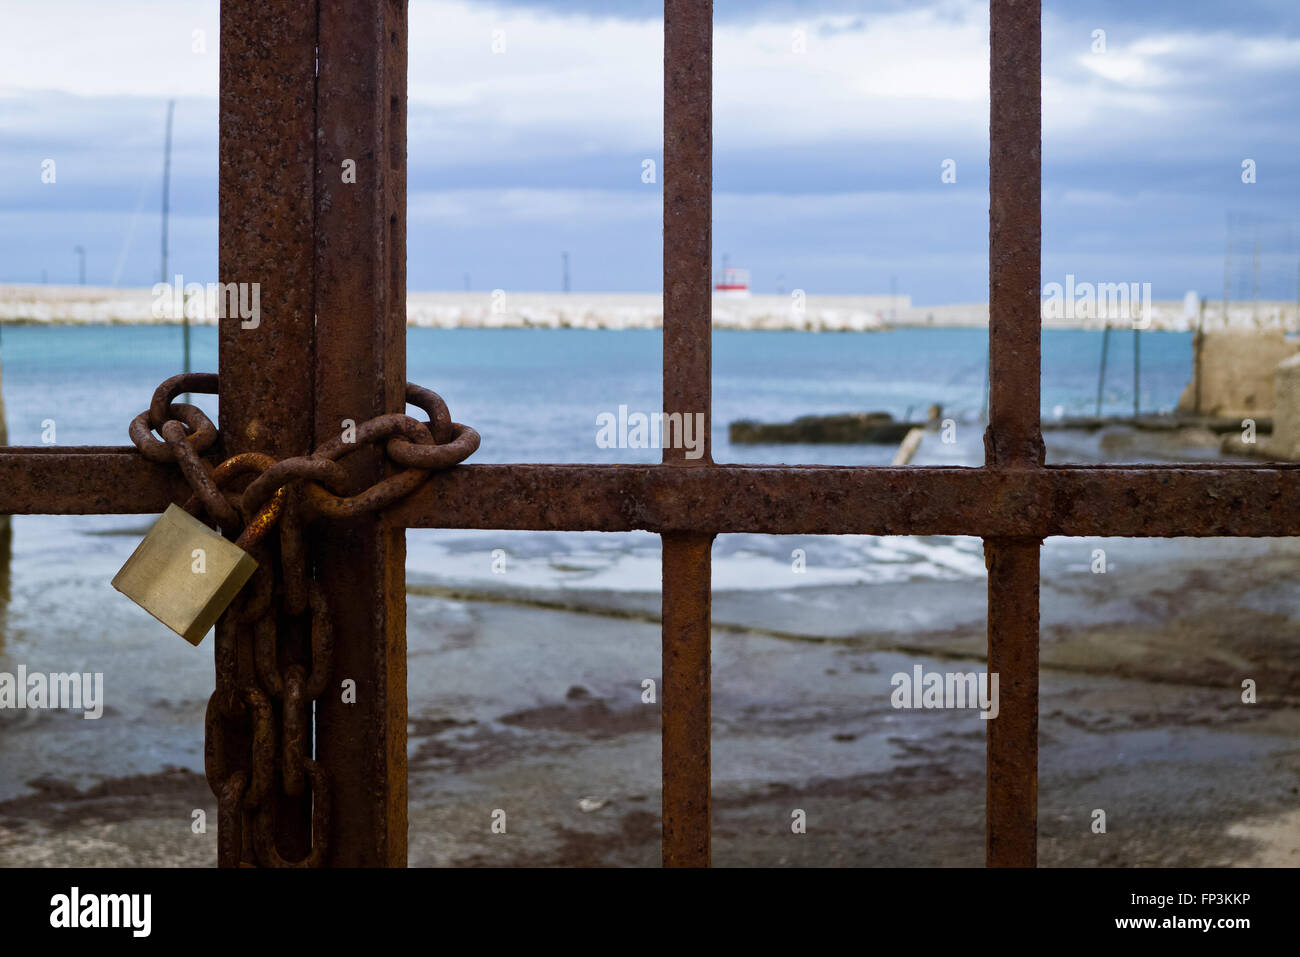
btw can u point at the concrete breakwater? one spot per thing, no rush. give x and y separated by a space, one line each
507 309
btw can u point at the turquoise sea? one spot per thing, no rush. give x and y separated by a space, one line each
534 394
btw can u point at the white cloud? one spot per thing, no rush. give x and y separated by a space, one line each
562 84
578 84
497 206
1161 79
899 74
123 48
574 84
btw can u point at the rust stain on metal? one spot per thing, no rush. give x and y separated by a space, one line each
85 481
360 373
688 213
1011 804
1136 501
686 700
263 521
266 188
266 185
688 390
1164 501
1014 439
1015 233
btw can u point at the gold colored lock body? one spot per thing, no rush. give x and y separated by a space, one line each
184 574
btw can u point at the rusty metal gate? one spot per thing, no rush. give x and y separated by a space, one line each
308 83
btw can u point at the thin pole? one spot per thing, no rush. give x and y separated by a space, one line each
1254 289
1197 341
1227 271
166 192
984 411
1101 372
1137 371
166 216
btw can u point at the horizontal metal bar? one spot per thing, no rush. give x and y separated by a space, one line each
1139 501
1159 502
85 480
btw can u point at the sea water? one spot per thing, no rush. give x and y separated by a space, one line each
535 396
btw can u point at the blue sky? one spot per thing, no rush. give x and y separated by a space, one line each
827 163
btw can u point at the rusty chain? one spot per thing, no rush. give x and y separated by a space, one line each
268 674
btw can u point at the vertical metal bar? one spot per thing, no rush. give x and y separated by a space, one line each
688 329
1014 438
1101 371
1015 233
6 523
166 217
687 707
1137 373
166 197
1227 268
1254 311
688 213
265 182
1011 797
267 124
1198 339
360 373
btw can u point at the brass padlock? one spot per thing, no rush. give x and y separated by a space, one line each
184 574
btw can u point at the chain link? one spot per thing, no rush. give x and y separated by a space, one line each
266 680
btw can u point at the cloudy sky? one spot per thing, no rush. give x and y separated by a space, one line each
827 163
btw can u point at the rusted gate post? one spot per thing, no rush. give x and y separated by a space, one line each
361 373
330 346
265 200
1014 440
688 371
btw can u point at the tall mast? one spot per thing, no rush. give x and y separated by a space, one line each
167 177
